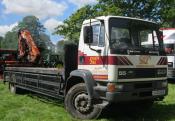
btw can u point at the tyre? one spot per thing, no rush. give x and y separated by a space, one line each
13 88
78 104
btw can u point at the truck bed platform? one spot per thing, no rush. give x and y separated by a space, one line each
38 70
47 81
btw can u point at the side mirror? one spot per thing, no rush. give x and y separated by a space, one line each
88 34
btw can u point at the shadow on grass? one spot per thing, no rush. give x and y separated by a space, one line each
121 112
46 99
124 112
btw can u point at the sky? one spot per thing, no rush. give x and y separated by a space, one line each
51 13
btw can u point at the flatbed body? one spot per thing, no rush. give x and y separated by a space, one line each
47 81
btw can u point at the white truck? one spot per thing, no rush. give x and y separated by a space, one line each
110 65
169 44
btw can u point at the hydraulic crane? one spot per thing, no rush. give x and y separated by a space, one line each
28 50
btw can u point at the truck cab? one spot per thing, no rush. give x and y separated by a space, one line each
119 60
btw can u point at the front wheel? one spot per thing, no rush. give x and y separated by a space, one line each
79 105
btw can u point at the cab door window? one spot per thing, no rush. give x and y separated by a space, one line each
102 36
98 35
96 31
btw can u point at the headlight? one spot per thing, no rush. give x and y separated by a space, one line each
112 87
161 72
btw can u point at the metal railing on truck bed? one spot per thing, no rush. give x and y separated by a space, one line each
46 81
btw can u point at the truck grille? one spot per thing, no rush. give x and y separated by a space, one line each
145 73
132 73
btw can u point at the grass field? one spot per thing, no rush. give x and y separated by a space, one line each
32 108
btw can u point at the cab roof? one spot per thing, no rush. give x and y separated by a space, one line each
106 18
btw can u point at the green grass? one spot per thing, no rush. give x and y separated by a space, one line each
32 108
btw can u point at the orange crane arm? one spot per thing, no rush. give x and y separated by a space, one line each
27 46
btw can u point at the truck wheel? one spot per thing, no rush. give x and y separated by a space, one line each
79 105
13 89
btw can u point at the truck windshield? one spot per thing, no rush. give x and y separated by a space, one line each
135 35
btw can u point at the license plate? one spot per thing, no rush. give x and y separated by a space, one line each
158 92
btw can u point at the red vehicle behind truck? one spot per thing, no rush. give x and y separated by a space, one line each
110 65
7 57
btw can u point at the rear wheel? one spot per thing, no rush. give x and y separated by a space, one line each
79 105
16 90
13 89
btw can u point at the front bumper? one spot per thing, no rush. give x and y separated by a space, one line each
133 96
138 91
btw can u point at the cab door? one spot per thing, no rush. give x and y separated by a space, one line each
95 53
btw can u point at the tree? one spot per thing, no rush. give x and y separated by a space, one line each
1 40
72 26
168 13
50 46
132 8
10 40
33 24
162 11
60 48
36 29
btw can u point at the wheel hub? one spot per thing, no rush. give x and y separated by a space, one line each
82 103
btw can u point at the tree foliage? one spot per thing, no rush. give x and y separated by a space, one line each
46 39
168 13
1 40
72 26
31 23
162 11
10 41
156 10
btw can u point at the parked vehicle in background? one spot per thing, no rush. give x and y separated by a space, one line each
169 44
7 57
169 47
111 65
